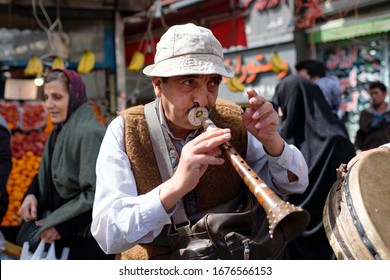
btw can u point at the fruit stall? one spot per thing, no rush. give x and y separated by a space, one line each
30 129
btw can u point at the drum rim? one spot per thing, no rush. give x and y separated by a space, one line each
356 220
338 222
331 226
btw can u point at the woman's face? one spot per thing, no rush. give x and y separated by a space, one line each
56 101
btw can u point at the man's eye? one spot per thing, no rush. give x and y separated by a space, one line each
188 82
216 82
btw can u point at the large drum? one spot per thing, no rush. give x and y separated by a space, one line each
357 211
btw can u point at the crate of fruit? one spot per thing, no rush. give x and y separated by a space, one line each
10 111
32 116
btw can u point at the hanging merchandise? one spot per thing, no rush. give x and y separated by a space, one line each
58 63
307 12
146 45
34 66
58 41
137 61
87 62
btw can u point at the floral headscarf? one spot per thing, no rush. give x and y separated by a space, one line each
77 91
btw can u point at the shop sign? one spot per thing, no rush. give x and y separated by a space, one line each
274 19
342 58
247 73
356 66
260 69
20 89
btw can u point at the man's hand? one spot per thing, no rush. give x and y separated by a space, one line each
261 120
195 158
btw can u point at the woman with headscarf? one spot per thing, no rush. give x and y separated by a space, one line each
65 184
308 123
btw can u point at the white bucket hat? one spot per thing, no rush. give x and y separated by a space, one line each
188 49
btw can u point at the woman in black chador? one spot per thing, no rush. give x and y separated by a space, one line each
308 122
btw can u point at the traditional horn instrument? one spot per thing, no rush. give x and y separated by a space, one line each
290 219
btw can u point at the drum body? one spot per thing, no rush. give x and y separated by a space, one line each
356 215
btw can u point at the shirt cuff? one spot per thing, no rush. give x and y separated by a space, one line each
152 211
283 161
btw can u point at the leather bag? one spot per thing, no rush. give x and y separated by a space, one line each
28 232
239 234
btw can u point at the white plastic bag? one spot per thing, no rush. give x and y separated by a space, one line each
41 254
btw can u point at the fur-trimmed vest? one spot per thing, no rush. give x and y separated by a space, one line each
218 185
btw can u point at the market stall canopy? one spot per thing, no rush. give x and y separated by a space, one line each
341 29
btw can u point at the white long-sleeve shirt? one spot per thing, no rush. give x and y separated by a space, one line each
122 218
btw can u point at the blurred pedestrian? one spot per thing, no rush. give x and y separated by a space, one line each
315 70
374 122
308 123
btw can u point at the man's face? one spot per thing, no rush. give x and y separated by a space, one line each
179 94
377 96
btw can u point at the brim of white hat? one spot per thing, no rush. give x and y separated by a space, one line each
188 65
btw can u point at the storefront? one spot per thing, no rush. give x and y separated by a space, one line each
357 52
249 32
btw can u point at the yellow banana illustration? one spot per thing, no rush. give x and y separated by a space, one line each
87 62
235 85
277 64
137 61
231 86
58 63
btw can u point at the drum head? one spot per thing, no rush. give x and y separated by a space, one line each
371 198
357 212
